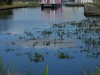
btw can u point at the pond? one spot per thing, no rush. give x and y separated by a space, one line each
64 40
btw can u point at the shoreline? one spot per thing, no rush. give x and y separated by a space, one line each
18 5
72 4
91 9
12 7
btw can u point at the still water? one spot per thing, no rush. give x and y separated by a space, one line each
31 39
17 20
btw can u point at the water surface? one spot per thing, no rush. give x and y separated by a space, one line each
27 31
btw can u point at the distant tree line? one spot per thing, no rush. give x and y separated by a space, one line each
9 2
28 0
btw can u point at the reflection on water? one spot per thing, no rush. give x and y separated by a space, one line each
49 14
20 19
72 12
73 42
35 38
63 14
5 15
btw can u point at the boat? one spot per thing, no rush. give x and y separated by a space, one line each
51 3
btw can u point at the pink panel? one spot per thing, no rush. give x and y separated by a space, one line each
48 1
58 1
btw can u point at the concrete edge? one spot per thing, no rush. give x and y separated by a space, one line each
89 13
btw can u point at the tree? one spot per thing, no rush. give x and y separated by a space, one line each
3 1
9 2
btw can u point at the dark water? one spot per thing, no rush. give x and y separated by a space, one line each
31 32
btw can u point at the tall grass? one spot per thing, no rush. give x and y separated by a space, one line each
89 72
7 72
46 70
4 71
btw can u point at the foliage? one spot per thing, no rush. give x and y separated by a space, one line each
46 70
89 72
9 2
63 55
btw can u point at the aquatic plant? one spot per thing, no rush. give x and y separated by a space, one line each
88 31
28 33
20 37
18 54
13 42
62 55
59 25
38 57
35 43
46 32
9 49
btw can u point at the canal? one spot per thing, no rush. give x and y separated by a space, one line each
64 40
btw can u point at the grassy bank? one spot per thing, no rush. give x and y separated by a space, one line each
19 4
28 4
92 9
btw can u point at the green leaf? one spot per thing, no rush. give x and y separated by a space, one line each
46 70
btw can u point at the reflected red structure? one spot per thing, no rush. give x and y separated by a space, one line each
51 14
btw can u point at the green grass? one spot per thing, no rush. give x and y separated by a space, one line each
3 71
7 72
89 72
46 70
20 3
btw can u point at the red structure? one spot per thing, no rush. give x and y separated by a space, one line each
51 3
